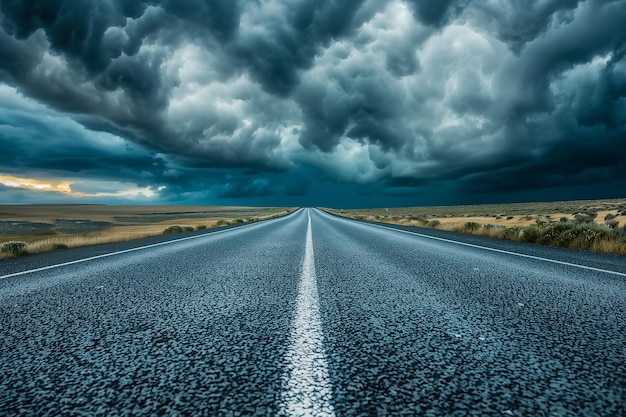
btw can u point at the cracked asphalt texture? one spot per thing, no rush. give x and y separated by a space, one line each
411 326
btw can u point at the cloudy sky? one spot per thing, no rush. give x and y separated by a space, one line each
342 103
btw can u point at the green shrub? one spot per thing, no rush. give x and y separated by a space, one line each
584 235
581 218
173 230
596 232
434 223
240 221
613 224
511 233
551 232
531 234
471 226
13 247
221 223
609 217
201 227
420 219
188 228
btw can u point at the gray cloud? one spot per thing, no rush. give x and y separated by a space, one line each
392 96
437 13
518 22
44 142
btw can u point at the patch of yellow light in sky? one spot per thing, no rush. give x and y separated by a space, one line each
130 192
65 187
35 184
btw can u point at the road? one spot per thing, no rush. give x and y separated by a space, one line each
312 314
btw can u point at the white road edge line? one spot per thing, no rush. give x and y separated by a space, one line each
306 384
105 255
471 245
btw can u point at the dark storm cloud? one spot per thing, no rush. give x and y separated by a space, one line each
278 46
81 29
394 96
223 186
520 21
44 141
547 115
565 102
437 12
74 28
99 45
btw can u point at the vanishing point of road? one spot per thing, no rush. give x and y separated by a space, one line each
312 314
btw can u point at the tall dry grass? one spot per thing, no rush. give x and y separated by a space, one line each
48 244
53 241
580 233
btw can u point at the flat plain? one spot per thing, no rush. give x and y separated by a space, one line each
44 227
598 225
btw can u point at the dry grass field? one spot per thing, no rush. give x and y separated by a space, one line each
598 225
26 229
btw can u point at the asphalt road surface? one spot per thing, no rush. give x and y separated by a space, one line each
311 314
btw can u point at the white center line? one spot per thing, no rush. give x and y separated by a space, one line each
307 389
